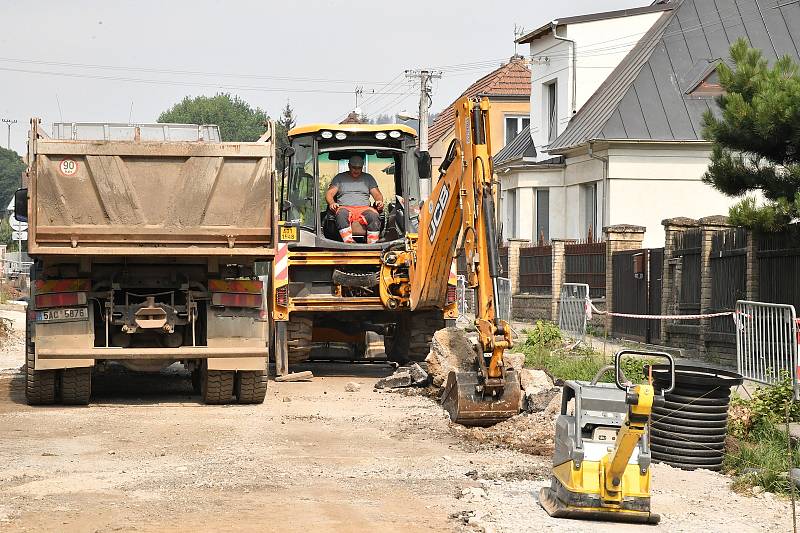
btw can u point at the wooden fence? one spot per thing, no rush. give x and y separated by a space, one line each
586 263
778 266
687 246
536 269
728 275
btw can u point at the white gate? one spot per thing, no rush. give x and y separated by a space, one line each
572 309
766 342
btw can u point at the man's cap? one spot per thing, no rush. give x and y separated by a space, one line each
356 161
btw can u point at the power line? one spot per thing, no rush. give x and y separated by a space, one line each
176 82
183 72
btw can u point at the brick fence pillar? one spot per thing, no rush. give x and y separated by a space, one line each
752 267
558 275
618 238
708 227
671 275
513 262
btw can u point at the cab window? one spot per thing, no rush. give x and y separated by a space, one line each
300 186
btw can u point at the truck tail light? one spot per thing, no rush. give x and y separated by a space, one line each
282 296
236 300
59 299
450 298
238 286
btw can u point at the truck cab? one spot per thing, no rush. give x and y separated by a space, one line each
320 151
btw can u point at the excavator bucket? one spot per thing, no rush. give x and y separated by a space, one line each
468 407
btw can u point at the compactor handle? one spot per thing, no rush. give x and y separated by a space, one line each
618 368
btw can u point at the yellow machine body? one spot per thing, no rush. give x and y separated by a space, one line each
601 460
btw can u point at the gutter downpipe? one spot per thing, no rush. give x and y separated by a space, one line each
554 27
605 183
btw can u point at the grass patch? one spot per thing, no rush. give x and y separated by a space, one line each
542 349
757 451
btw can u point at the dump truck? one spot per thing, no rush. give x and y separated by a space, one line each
151 245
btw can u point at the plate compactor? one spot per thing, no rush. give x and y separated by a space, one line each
601 462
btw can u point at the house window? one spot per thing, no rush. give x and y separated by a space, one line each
509 214
552 111
590 209
515 126
542 215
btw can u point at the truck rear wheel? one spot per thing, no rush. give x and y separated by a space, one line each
251 386
299 331
76 386
40 385
216 386
413 335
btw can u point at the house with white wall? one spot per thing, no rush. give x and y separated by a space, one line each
617 101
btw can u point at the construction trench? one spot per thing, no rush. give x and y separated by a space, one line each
148 456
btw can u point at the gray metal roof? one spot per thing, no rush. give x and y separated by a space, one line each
648 96
520 147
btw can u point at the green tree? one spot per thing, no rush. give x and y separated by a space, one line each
237 120
756 140
11 168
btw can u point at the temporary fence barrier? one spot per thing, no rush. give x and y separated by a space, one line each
766 342
466 298
572 309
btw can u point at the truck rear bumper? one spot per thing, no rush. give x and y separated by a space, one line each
185 352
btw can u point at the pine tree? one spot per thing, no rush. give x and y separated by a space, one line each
756 140
287 117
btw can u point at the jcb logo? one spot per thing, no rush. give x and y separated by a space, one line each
438 212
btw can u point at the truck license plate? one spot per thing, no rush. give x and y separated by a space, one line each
289 234
62 315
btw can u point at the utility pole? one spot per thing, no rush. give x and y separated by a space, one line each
9 122
425 77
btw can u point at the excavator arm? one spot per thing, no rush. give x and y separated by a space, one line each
460 215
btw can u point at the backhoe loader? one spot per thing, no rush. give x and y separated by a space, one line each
325 291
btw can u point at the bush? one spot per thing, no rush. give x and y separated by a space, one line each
757 450
543 335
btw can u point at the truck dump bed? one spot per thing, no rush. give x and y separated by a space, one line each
134 197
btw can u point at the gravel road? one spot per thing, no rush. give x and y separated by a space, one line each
147 456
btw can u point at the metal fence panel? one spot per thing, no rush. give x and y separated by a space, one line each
766 341
466 298
572 309
503 304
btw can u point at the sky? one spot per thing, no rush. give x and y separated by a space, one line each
127 61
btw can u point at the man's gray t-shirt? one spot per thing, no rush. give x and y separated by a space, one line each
353 191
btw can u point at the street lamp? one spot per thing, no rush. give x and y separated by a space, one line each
9 122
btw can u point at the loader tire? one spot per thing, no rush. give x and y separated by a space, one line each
251 386
40 385
216 386
298 338
76 386
413 335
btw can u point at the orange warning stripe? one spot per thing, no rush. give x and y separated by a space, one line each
239 286
62 285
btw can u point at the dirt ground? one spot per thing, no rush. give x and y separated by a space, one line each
147 456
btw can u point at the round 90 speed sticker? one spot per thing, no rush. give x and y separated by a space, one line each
68 167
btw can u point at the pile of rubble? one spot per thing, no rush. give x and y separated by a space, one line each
532 431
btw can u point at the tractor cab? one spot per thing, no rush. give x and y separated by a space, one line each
319 152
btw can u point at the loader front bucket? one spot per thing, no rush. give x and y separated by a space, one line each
468 407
